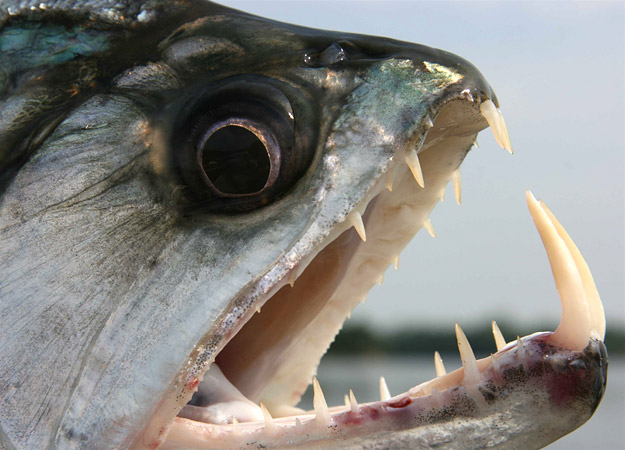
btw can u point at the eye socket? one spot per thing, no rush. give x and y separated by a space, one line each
237 146
239 159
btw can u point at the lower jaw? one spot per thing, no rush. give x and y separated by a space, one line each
525 396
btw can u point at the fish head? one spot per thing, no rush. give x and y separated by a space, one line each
194 198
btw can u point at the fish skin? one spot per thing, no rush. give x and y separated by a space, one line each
163 238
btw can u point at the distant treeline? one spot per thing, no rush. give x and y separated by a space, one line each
362 339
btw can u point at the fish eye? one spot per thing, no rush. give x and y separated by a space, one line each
238 146
238 158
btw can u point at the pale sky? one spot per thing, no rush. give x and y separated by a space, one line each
558 71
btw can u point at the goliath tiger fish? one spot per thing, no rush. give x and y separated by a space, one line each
194 199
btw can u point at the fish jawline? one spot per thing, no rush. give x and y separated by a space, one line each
349 267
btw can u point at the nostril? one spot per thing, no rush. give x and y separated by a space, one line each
578 365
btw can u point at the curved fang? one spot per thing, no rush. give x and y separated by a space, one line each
581 320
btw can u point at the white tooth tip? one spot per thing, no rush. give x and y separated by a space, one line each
356 221
353 403
396 262
269 423
384 392
429 227
319 403
500 342
438 365
456 180
497 123
412 160
471 372
582 311
428 122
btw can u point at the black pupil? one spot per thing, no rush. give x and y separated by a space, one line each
236 161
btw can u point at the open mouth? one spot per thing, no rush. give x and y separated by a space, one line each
248 395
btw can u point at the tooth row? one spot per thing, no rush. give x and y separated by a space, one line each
469 362
472 378
495 120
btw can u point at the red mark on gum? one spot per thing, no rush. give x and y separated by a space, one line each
401 403
192 384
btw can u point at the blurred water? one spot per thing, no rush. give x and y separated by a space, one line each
604 431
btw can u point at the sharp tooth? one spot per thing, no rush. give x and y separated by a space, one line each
355 219
476 143
442 195
592 295
495 120
438 365
428 122
412 159
236 429
381 280
353 404
346 400
384 392
322 414
269 423
292 277
298 422
500 342
429 227
456 180
577 324
471 373
258 308
396 262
